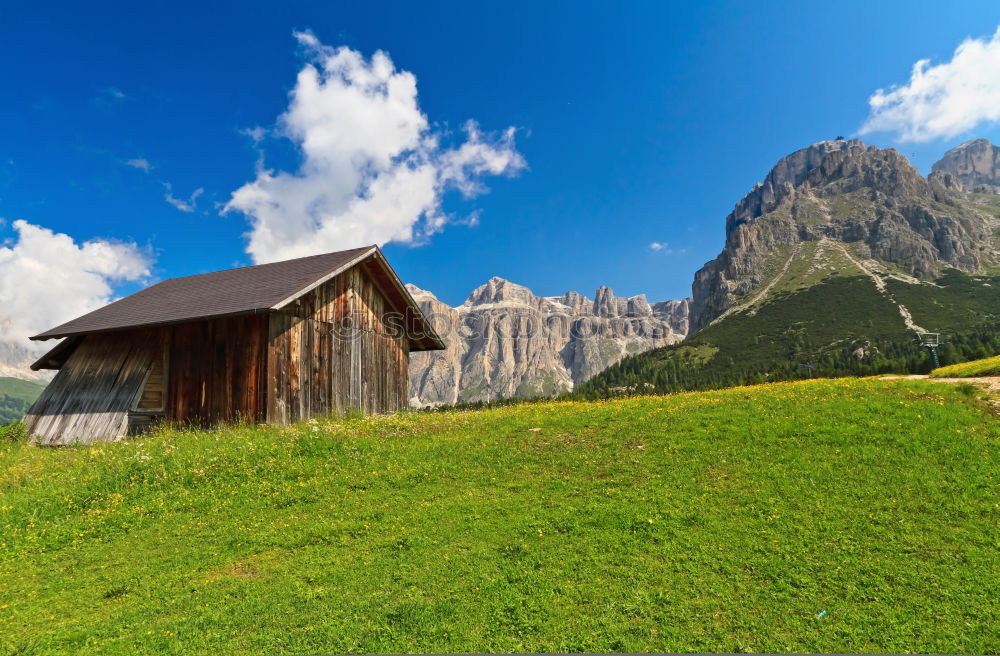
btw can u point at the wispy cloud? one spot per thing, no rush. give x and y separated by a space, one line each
140 163
372 169
189 205
109 96
664 248
256 133
944 100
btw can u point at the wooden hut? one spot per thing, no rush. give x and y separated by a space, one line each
271 343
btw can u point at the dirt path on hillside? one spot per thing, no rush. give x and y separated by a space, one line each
764 290
781 274
880 286
992 383
989 383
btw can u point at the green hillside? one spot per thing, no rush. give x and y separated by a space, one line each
834 318
16 396
854 515
984 367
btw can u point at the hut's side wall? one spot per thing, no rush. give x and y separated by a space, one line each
90 397
337 348
215 370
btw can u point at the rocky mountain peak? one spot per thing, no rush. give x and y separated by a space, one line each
606 304
676 313
576 302
788 173
871 200
974 164
794 168
638 306
498 291
884 171
419 294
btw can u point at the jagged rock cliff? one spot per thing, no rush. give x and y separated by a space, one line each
975 165
504 341
870 200
15 362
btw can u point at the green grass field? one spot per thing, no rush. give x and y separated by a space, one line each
20 389
984 367
850 515
16 396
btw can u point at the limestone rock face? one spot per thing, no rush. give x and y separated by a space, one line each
437 376
16 359
675 313
506 342
870 200
975 165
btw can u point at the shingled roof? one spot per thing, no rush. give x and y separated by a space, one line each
247 290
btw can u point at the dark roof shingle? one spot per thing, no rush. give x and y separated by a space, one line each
222 293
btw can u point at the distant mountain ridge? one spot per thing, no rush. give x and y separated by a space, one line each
833 262
15 362
505 341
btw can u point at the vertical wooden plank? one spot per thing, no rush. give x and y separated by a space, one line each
342 364
273 368
294 362
90 398
254 406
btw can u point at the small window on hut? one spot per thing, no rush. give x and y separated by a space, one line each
154 392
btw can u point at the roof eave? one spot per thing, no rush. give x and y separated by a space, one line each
429 335
41 337
55 357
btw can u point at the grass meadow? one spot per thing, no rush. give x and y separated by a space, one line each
984 367
849 515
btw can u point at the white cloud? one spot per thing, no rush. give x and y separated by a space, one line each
944 100
660 246
372 169
46 278
189 205
256 133
140 163
109 96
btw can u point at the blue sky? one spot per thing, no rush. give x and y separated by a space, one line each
636 122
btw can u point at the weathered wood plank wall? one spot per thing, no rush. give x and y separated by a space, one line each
154 391
216 370
335 349
90 397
